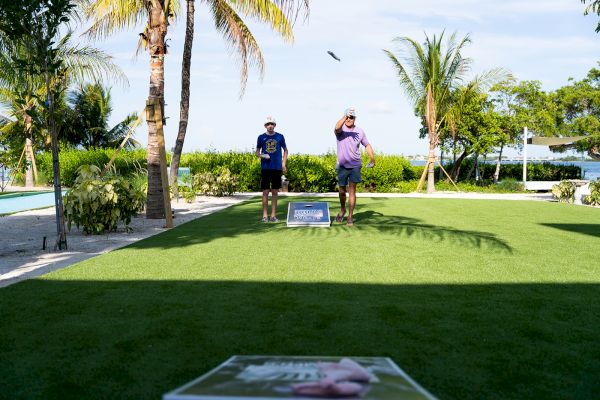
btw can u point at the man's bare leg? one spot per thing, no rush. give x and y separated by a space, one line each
342 194
352 200
274 203
265 202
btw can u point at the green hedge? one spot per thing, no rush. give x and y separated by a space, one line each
70 160
306 173
543 171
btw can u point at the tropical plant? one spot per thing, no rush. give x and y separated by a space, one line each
430 75
98 202
564 191
224 183
91 105
593 198
110 15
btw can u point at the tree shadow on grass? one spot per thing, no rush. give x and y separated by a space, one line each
139 339
586 229
244 219
411 227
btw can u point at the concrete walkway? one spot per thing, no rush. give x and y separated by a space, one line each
22 234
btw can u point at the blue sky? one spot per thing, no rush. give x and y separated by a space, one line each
307 91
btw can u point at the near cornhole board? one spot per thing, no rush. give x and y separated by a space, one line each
308 214
272 377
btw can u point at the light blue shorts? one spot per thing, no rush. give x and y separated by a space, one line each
348 174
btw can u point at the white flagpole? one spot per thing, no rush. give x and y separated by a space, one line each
525 157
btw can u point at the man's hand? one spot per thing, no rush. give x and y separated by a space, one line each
371 164
284 169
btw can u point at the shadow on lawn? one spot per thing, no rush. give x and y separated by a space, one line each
140 339
243 219
586 229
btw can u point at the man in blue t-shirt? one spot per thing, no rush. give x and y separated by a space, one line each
268 148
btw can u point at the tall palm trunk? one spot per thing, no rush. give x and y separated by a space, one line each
157 30
431 119
185 94
431 168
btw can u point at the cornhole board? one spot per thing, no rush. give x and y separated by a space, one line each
271 377
308 214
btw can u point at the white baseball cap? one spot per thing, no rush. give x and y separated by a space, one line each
270 120
350 111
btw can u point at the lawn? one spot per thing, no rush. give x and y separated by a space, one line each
474 299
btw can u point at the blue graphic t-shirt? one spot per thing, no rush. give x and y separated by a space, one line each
271 145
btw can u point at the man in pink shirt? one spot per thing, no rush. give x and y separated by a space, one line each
349 138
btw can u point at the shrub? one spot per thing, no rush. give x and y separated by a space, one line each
564 191
593 198
185 188
224 184
510 185
308 173
127 163
388 171
97 203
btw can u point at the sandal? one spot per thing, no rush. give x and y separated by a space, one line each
264 220
340 217
349 222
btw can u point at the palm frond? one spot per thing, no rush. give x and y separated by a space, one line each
405 80
110 16
237 34
86 62
276 13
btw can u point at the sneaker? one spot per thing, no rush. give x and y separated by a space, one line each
274 219
264 220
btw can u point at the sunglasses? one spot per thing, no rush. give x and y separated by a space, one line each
351 117
270 124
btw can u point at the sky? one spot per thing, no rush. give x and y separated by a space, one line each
306 90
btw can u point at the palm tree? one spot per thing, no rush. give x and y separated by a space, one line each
109 16
21 90
431 75
90 109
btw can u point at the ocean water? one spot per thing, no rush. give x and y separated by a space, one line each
589 169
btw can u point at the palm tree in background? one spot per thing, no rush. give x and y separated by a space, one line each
21 91
91 109
109 16
431 74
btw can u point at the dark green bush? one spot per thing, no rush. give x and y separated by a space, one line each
543 171
388 171
308 173
245 166
127 163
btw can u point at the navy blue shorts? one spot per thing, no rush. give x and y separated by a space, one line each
348 174
270 179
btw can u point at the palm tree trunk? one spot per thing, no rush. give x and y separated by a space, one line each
431 168
61 235
498 162
185 94
157 30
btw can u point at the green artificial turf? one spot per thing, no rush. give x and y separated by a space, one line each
473 299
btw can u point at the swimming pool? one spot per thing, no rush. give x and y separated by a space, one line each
15 202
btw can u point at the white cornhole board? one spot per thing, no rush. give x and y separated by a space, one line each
271 377
308 214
